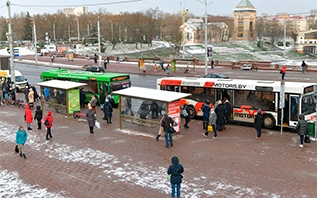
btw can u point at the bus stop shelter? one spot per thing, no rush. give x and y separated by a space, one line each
61 95
170 98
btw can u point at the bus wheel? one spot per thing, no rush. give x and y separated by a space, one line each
192 112
269 121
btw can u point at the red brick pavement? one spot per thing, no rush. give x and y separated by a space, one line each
131 163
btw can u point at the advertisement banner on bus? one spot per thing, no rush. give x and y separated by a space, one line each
174 112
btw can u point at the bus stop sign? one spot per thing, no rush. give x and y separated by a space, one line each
282 95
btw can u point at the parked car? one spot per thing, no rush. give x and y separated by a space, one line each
95 68
216 75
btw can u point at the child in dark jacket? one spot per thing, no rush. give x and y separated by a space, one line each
38 116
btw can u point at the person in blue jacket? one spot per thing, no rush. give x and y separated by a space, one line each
206 113
175 171
21 137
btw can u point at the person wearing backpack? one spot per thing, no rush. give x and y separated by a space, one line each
186 115
48 122
38 116
175 172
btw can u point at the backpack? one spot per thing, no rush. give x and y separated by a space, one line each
111 100
184 112
46 123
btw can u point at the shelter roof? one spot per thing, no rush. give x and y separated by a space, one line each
151 94
60 84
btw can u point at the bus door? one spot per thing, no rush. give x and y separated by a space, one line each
294 109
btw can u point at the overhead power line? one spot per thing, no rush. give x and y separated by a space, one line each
78 5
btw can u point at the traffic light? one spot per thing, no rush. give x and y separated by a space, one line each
209 51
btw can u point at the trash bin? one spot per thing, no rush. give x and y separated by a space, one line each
311 128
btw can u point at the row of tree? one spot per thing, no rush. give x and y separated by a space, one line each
137 27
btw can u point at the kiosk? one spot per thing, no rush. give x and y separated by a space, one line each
169 98
61 95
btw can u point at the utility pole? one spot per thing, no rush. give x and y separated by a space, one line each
54 33
78 34
68 32
99 45
183 12
111 30
10 40
206 31
284 42
35 41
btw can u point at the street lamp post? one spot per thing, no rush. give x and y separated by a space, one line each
78 34
206 27
10 40
99 46
35 41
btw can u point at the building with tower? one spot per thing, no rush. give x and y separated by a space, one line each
244 21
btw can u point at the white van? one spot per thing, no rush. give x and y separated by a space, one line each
20 81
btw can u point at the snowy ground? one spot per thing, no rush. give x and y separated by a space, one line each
193 49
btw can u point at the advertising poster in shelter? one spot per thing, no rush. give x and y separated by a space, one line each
73 101
173 65
174 112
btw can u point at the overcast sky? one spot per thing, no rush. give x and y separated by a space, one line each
218 7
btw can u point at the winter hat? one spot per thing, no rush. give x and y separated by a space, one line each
165 114
259 110
49 113
107 100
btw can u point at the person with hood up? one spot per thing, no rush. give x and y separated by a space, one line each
20 139
49 125
221 113
212 122
258 122
28 116
82 98
206 110
38 116
107 110
175 171
91 118
302 129
303 66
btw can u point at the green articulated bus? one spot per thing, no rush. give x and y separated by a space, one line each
108 82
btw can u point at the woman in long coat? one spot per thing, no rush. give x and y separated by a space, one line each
258 122
28 117
107 110
221 113
91 118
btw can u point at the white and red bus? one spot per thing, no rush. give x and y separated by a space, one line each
246 97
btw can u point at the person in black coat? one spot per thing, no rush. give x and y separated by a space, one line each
206 112
82 98
302 128
38 116
187 117
221 113
166 123
102 99
258 122
175 171
227 111
107 110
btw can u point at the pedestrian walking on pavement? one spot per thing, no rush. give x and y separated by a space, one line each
124 105
107 110
303 66
38 116
161 130
20 139
93 102
91 118
48 122
186 115
28 117
212 122
220 111
31 98
283 71
95 58
162 65
166 123
26 93
302 129
175 171
82 98
258 123
212 64
206 110
129 106
102 99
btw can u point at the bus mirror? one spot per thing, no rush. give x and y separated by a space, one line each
315 97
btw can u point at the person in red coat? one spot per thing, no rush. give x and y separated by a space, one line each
28 116
283 72
48 122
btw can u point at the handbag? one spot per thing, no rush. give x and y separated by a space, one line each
307 139
17 149
184 112
169 177
97 124
171 130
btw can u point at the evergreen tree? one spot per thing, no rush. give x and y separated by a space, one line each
27 27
